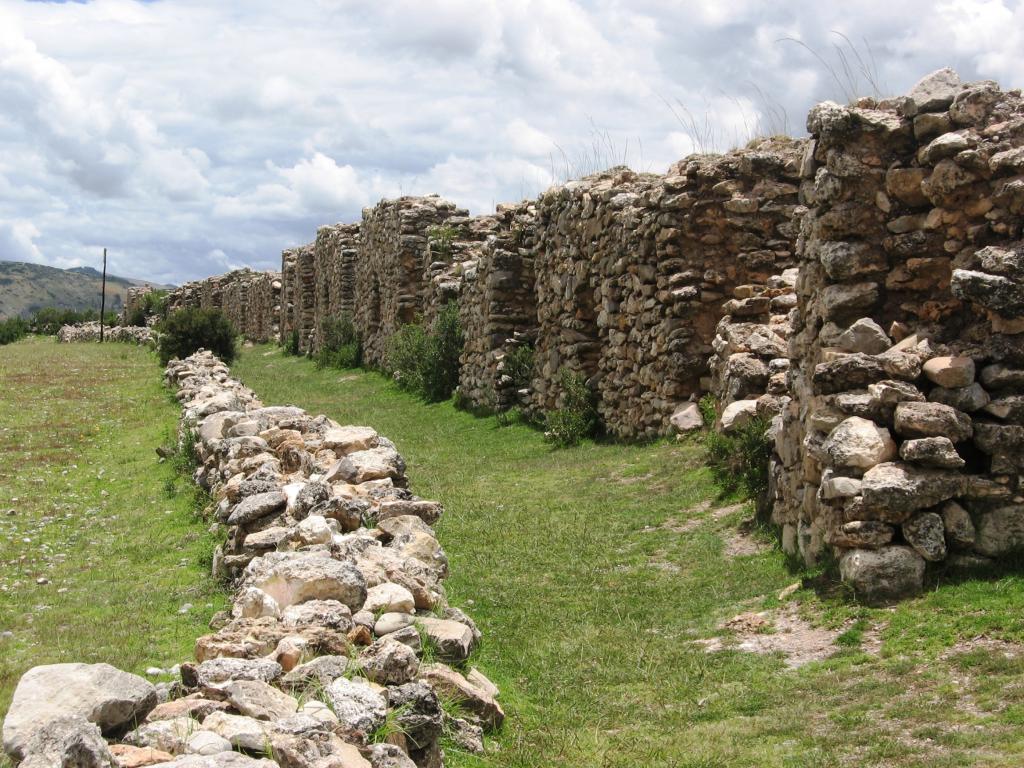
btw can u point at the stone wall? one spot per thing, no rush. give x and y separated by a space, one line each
903 441
134 298
289 291
250 300
632 271
334 258
394 254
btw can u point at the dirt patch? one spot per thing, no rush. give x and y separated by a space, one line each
722 512
782 632
675 525
990 645
743 541
350 377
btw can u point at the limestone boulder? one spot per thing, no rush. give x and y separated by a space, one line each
238 730
100 693
738 414
389 598
926 533
454 640
1000 531
935 92
950 372
932 452
882 575
67 741
451 684
859 444
865 336
932 420
687 418
893 490
291 578
357 705
259 700
958 525
389 662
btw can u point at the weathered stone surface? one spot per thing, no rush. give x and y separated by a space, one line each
257 506
892 490
165 735
865 336
935 91
100 693
925 532
389 598
389 662
256 699
932 452
959 528
127 756
356 704
290 578
66 741
881 575
950 372
221 670
687 418
207 743
1000 531
863 534
453 685
240 731
932 420
967 399
738 414
345 440
454 640
859 444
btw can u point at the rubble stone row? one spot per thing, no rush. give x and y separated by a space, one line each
340 645
250 300
90 331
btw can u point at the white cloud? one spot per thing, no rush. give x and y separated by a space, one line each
190 136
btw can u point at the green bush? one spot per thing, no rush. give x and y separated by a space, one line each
519 366
440 239
291 344
48 320
189 330
12 329
341 345
739 460
578 417
427 362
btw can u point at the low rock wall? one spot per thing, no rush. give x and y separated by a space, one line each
90 331
339 599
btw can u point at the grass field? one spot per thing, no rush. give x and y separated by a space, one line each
592 570
100 549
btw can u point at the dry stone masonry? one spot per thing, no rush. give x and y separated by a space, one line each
861 290
339 600
250 300
90 331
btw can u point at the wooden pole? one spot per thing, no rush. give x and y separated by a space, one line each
103 294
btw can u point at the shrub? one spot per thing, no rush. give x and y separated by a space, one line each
427 363
341 346
48 320
519 366
577 418
440 239
739 460
154 304
12 329
291 345
189 330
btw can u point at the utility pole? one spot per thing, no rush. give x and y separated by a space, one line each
103 294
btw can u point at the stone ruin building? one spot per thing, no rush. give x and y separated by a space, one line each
860 290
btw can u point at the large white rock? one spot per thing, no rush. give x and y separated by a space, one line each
687 418
100 693
859 444
344 440
737 414
241 731
291 578
389 598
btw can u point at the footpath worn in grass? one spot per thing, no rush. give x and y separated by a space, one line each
592 570
100 549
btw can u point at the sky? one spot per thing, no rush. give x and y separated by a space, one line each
191 137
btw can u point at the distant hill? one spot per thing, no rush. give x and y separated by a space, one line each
25 288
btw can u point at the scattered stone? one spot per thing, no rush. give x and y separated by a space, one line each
882 575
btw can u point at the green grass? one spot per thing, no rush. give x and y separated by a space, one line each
589 593
112 531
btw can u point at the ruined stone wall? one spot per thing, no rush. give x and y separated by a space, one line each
632 271
250 300
134 298
498 309
289 294
904 439
334 258
390 267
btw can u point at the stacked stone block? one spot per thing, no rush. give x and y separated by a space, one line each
903 441
632 271
389 271
334 258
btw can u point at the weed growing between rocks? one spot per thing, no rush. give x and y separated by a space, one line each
426 362
738 460
188 330
577 419
291 346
